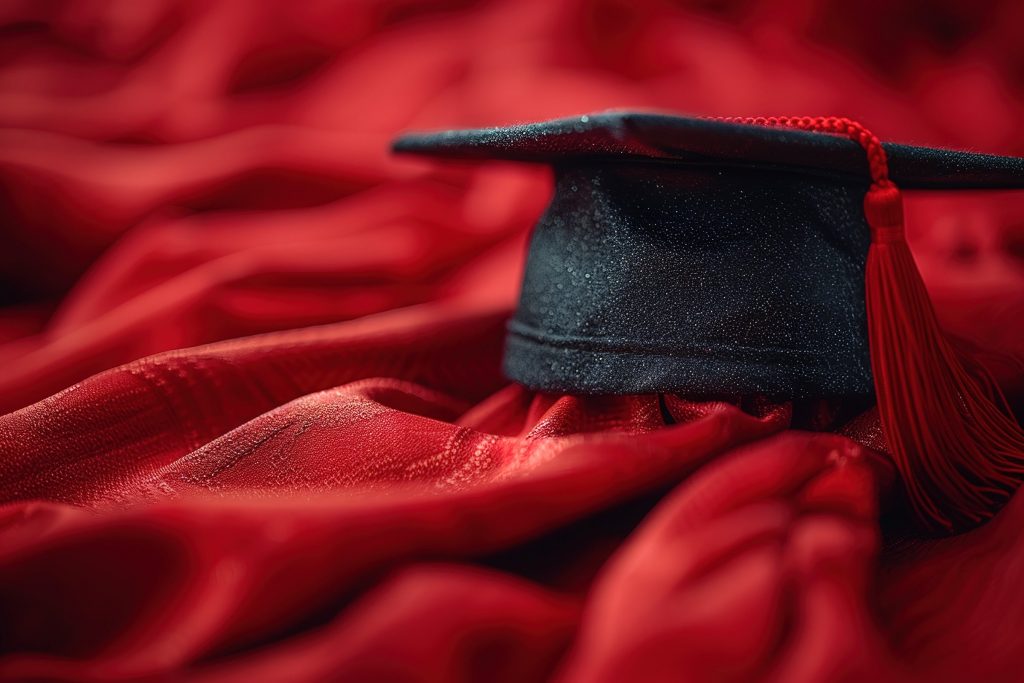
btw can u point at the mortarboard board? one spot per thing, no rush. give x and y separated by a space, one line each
732 257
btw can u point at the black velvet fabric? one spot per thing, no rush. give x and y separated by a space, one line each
697 256
659 277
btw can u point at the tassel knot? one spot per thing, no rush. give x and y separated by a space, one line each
883 209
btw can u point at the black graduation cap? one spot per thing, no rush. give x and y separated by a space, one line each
729 257
700 256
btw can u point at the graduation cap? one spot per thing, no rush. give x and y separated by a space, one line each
753 256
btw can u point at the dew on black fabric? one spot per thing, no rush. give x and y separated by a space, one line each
653 277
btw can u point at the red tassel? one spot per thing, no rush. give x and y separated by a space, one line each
949 431
947 425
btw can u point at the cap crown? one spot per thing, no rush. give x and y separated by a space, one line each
648 277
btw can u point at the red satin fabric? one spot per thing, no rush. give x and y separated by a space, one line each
322 475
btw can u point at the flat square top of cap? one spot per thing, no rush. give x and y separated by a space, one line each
624 136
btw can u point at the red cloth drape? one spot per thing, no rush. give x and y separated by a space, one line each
322 475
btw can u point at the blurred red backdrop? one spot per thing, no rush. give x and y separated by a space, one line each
174 172
179 172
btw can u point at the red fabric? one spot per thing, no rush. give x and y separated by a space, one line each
354 492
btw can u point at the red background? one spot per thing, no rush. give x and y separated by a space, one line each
174 173
179 173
